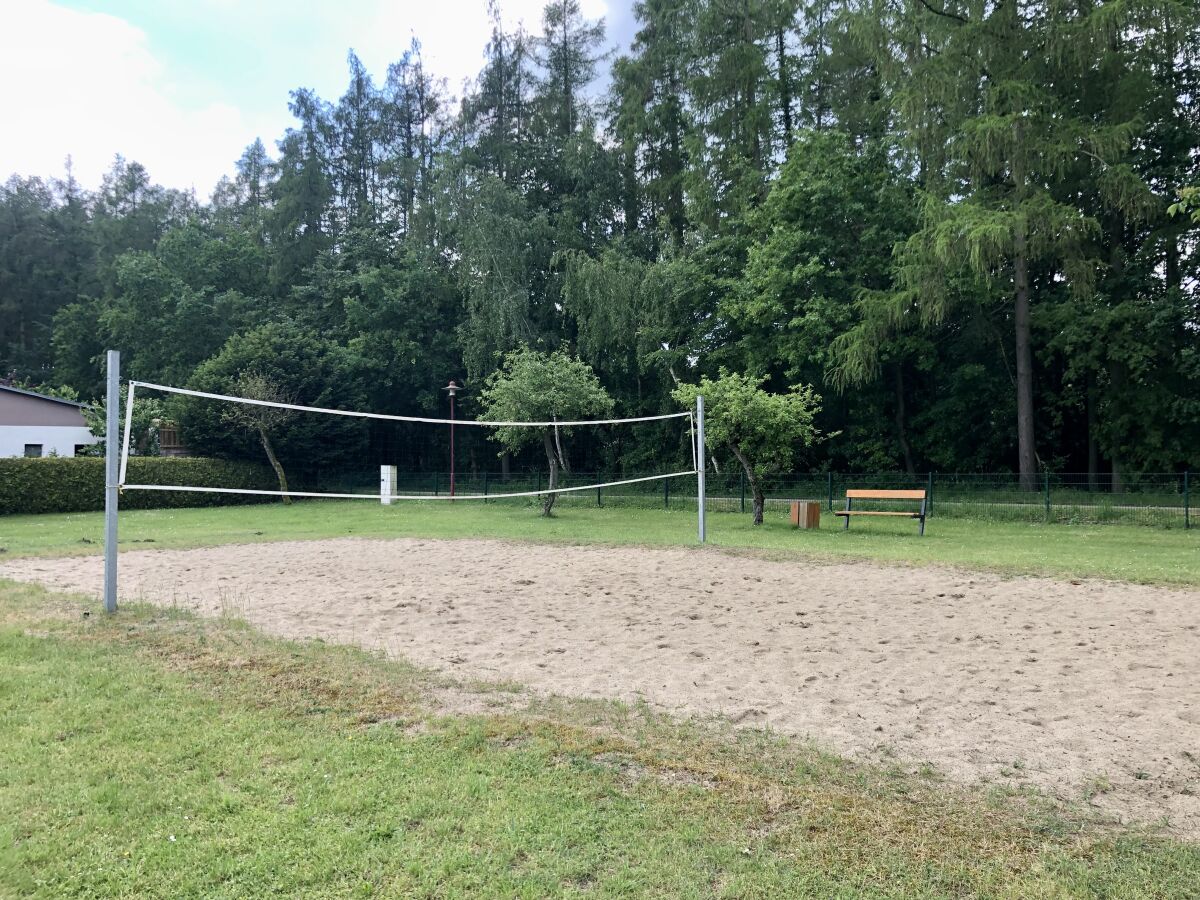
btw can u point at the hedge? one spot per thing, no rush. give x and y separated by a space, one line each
65 484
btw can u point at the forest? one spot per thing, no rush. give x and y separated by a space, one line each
966 225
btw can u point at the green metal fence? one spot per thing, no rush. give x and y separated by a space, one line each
1073 498
1151 499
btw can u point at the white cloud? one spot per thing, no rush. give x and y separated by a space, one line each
92 85
453 33
86 84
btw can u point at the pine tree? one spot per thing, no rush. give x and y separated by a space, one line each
988 108
649 103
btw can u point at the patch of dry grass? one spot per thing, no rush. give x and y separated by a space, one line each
695 807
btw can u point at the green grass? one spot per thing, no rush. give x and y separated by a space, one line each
152 754
1156 555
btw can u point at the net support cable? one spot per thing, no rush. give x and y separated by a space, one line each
396 418
128 430
690 416
375 496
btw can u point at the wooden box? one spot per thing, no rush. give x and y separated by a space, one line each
806 514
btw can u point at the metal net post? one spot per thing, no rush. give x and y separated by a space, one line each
700 457
112 452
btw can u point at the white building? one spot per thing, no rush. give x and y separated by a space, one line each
36 425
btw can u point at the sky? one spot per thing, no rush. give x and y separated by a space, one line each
183 86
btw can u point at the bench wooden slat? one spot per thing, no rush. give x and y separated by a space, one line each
866 494
871 512
859 494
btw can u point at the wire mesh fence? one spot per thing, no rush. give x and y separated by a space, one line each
1163 499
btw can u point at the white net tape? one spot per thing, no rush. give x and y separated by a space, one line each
133 385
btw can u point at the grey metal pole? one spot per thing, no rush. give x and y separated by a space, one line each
112 444
700 455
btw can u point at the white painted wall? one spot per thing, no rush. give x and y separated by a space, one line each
53 438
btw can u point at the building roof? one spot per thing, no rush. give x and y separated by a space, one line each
13 390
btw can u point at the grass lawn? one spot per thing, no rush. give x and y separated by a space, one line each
1129 553
153 754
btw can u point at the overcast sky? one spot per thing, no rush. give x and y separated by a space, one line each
183 87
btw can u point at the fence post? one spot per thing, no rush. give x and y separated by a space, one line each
929 497
387 484
485 485
539 481
598 503
830 485
666 493
742 488
1187 511
1046 483
435 484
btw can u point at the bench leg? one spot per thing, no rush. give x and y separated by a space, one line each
921 530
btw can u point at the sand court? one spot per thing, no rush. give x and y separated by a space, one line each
1085 689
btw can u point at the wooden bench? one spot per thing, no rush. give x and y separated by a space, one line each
853 495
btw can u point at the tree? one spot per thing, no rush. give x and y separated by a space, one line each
1188 204
505 250
298 224
650 115
730 154
263 421
31 286
148 414
495 117
990 104
289 361
824 235
737 198
410 125
533 386
568 55
763 431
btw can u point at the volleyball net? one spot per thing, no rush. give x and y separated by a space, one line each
279 448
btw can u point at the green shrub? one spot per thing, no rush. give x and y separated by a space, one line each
77 485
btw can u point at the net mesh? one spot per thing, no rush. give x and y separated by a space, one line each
314 451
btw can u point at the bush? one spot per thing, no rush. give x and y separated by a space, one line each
77 485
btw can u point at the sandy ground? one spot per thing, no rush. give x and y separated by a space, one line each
1008 680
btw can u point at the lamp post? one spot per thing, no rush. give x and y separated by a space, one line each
452 389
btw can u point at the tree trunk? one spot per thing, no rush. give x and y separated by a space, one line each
552 459
902 422
562 459
752 480
283 485
1117 381
785 87
1026 451
1093 446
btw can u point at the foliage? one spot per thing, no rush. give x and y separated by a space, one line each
1188 204
148 414
265 422
52 485
296 363
532 386
765 432
972 227
536 386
